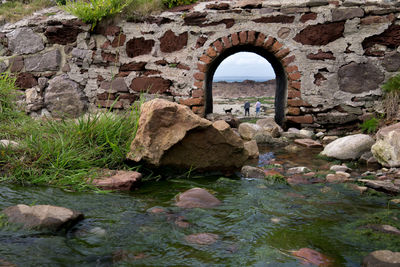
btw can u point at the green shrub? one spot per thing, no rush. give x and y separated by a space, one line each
94 11
370 126
174 3
8 95
391 97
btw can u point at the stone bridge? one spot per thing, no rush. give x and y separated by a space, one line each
330 57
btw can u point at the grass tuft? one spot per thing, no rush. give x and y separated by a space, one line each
63 153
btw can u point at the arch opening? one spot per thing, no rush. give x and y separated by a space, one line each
281 79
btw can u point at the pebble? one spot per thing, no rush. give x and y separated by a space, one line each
342 168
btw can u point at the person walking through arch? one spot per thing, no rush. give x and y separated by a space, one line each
247 108
258 107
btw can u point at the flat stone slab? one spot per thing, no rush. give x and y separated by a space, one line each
385 185
118 180
308 143
42 216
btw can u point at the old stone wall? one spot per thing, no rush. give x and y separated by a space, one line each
331 56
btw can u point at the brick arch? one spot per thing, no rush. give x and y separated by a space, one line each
288 95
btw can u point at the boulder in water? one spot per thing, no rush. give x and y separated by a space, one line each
387 147
253 172
42 216
171 135
382 258
349 147
202 238
310 256
196 198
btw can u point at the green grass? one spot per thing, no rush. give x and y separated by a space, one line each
13 11
263 100
370 126
63 153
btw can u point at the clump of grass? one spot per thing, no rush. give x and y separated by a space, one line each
13 11
94 11
391 98
370 126
174 3
64 153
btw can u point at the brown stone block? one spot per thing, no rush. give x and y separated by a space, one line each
295 85
218 45
294 94
151 85
251 37
199 76
227 42
199 110
106 96
170 42
306 119
131 97
109 104
320 34
293 111
320 55
198 93
287 60
133 66
292 68
283 53
109 57
25 80
308 16
235 38
139 46
200 41
275 19
183 66
206 59
294 76
270 41
260 39
202 67
119 40
192 101
297 103
243 37
211 52
198 84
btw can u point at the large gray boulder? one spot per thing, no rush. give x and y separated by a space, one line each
171 135
382 258
387 147
49 61
248 130
42 216
349 148
24 41
196 198
63 97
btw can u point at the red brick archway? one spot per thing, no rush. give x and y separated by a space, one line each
267 46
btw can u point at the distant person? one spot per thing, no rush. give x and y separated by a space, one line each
247 108
258 106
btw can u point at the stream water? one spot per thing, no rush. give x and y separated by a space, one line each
258 224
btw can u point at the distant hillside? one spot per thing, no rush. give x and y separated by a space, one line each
246 88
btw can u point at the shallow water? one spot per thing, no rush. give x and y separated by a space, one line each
258 224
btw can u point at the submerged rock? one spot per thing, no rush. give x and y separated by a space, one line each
118 180
202 238
349 147
387 147
252 149
42 216
308 143
382 258
253 172
310 256
171 135
382 185
196 198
